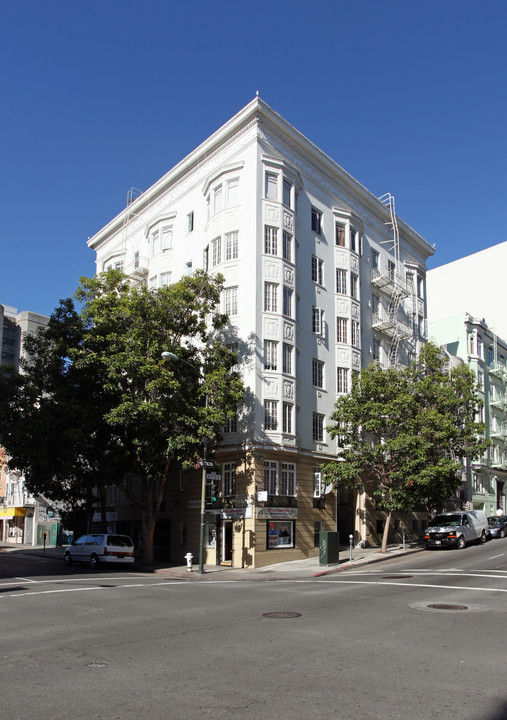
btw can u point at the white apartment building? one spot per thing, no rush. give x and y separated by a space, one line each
472 284
321 278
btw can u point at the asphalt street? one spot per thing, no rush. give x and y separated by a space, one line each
418 636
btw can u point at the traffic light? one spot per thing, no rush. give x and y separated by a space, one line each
214 491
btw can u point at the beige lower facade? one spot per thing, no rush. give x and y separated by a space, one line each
270 508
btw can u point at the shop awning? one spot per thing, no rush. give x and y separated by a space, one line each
11 512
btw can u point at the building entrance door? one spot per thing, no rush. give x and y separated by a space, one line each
226 558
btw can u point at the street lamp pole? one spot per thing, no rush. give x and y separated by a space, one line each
204 465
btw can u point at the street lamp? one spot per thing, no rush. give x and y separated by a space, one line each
166 355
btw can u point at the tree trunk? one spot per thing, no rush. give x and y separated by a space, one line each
386 533
148 522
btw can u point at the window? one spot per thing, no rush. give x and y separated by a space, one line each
190 222
375 304
232 192
316 221
317 373
231 301
287 301
342 384
376 348
155 242
341 330
354 328
287 410
287 359
287 193
167 238
210 534
231 424
216 251
288 480
374 260
354 285
420 325
318 485
318 327
165 279
218 199
317 529
287 247
271 186
270 415
317 270
419 286
229 480
280 534
188 267
270 353
270 240
318 427
271 477
231 246
341 282
480 379
391 269
136 259
340 235
353 239
270 297
152 283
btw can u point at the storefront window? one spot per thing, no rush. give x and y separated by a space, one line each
210 535
280 534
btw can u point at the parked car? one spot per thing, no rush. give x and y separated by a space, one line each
100 548
498 526
456 529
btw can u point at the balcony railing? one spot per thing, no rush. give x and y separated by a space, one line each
390 281
500 432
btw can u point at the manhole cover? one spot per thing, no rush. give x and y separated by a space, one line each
396 577
443 606
96 665
281 615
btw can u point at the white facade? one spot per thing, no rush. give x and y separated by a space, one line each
320 278
472 284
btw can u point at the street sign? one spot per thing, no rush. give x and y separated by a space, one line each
213 476
206 463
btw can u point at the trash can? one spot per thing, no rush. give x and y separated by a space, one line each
329 547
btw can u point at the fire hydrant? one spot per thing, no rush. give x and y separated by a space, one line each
189 557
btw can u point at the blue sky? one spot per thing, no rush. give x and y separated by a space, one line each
99 96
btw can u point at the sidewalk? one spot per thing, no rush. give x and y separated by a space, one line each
294 569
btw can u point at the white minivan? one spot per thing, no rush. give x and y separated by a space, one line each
456 529
100 548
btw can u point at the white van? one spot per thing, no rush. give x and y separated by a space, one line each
456 529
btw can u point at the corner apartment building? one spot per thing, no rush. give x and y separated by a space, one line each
23 518
470 339
321 278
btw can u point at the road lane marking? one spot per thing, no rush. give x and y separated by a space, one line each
494 557
28 580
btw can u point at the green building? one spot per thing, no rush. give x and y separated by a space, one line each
469 339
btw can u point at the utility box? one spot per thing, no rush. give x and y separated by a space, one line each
329 547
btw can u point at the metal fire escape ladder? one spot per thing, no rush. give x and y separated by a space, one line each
388 200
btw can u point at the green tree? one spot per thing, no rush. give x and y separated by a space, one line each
139 414
404 433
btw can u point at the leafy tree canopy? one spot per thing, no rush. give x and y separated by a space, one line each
404 433
98 402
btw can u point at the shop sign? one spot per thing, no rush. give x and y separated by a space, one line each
276 513
11 512
232 513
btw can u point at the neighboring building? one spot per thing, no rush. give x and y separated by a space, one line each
13 326
321 278
23 517
456 288
470 339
